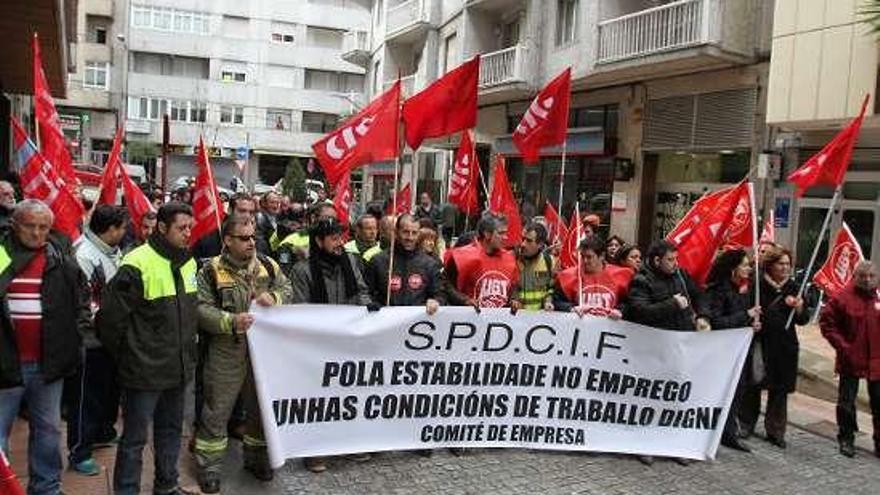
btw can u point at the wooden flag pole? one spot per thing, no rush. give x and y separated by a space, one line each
838 193
561 184
755 245
400 147
577 212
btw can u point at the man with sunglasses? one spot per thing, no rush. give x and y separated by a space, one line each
227 285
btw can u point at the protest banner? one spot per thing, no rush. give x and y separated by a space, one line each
337 379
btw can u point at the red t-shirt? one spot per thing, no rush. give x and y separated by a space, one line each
26 308
601 291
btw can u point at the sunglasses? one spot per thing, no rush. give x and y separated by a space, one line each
244 238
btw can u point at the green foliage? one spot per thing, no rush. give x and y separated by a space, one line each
294 182
141 151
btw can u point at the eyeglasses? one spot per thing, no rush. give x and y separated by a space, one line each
244 238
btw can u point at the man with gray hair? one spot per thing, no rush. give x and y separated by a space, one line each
851 324
41 325
7 203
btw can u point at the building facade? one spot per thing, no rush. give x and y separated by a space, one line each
260 80
667 96
824 63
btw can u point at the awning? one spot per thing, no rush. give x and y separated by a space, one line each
282 153
580 141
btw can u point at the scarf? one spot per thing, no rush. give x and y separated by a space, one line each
321 260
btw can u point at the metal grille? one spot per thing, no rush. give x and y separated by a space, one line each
723 119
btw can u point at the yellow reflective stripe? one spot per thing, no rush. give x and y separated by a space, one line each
371 253
226 323
210 446
351 247
5 260
253 441
156 273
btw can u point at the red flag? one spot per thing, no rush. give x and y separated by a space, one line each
368 137
40 180
207 207
828 166
841 263
503 202
445 107
109 182
769 232
404 201
545 123
465 175
342 200
52 143
9 484
741 233
135 200
703 229
556 228
570 241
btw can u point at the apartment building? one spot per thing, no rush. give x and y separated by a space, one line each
89 115
667 102
824 61
261 80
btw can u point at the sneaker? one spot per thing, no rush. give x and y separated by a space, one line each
87 467
315 464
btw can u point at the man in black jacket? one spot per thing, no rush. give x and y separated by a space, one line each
147 323
416 279
41 326
662 295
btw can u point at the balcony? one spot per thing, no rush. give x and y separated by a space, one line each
502 67
680 36
407 21
356 48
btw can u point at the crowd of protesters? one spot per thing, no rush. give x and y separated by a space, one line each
124 320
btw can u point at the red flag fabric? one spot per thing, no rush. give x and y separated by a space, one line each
828 166
556 228
404 201
545 123
445 107
136 201
9 484
52 143
740 232
841 263
769 232
109 182
40 180
342 200
207 207
570 240
703 229
502 202
368 137
465 175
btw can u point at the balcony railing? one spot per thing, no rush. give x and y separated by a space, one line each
502 67
405 14
355 41
407 85
669 27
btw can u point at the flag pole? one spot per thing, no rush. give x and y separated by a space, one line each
577 212
561 188
755 245
400 147
838 193
483 182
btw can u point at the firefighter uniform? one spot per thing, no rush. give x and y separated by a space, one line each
226 288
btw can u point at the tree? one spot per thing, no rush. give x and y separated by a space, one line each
294 182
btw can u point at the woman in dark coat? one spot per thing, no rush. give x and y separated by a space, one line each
778 347
730 297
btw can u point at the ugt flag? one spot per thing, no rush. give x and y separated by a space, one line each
465 174
545 123
841 263
207 207
504 203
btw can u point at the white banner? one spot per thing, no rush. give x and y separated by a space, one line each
336 379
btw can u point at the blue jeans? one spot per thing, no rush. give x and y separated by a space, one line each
44 439
164 408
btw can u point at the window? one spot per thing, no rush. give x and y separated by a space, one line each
97 75
282 38
143 108
197 112
279 76
278 119
96 29
324 37
450 52
169 65
232 115
317 122
236 26
334 81
351 83
232 76
167 19
566 21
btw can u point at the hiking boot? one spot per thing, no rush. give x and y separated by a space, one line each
260 471
735 443
847 448
209 482
777 441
